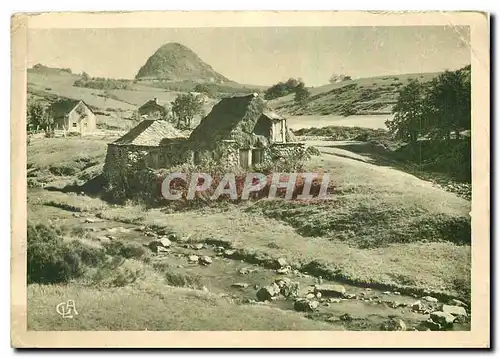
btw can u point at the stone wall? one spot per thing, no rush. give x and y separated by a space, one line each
286 151
122 161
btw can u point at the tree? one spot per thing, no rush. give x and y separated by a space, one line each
209 89
409 113
335 78
281 89
185 107
38 117
301 93
85 76
449 103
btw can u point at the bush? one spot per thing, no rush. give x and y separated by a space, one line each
50 260
128 251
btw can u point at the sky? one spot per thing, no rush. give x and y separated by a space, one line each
260 55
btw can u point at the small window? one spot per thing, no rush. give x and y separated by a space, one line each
85 124
74 125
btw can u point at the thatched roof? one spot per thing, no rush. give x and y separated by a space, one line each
233 118
150 133
63 107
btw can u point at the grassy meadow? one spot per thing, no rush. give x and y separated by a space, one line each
384 228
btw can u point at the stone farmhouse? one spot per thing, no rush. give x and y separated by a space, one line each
73 116
238 132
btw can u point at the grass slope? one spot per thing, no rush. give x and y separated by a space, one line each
365 96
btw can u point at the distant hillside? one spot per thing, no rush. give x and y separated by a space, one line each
176 62
364 96
46 70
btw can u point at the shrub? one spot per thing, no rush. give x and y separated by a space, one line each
50 259
128 251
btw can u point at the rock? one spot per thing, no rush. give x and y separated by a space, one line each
443 318
77 215
198 246
267 292
90 220
455 302
244 271
346 317
334 300
395 304
193 258
430 299
282 282
454 310
229 253
256 287
240 285
318 295
161 249
206 260
368 289
310 296
393 324
302 305
350 296
430 324
386 292
287 287
330 290
281 263
164 243
283 270
219 249
204 289
396 293
417 306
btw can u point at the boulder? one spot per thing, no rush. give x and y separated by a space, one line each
240 285
156 244
302 305
229 253
193 258
205 260
393 324
430 299
443 318
281 262
268 292
454 310
430 324
327 290
198 246
455 302
90 220
417 306
283 270
161 249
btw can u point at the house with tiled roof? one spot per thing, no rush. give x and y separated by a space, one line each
73 116
154 109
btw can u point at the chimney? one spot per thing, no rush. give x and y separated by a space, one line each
155 100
